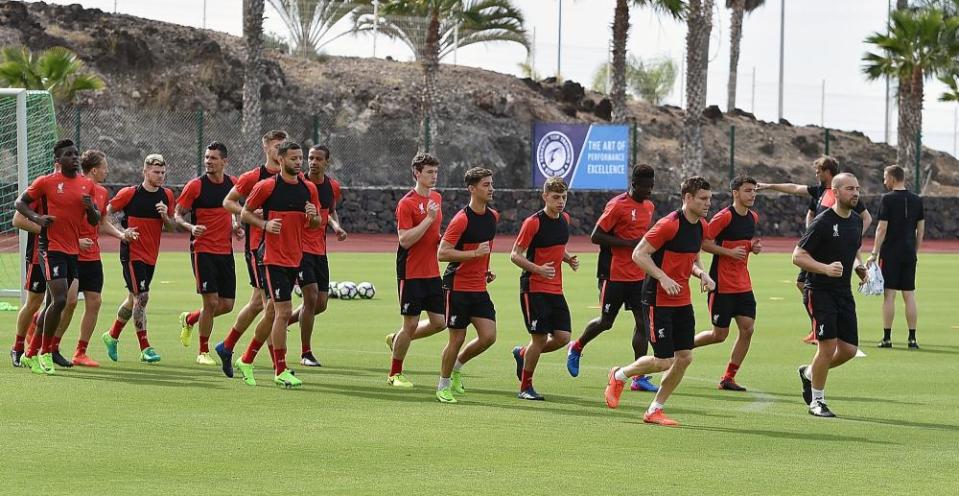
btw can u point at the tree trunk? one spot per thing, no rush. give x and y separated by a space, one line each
430 63
699 24
910 121
617 96
252 81
735 37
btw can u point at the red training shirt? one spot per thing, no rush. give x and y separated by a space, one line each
624 218
204 199
545 241
328 192
285 201
418 261
677 243
61 197
730 230
244 185
467 231
100 195
138 206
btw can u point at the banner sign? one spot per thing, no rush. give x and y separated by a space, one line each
587 156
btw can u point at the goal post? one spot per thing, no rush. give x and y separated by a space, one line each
27 133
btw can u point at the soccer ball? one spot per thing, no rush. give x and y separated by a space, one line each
366 290
334 289
347 290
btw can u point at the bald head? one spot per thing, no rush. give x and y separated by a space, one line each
846 188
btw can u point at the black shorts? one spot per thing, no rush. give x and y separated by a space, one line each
671 329
214 273
279 282
724 306
464 306
57 265
35 281
417 295
615 294
898 274
834 315
545 313
90 273
254 268
137 275
314 269
802 276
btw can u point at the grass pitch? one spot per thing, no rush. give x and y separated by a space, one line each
177 427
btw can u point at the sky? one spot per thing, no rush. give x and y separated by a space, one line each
823 80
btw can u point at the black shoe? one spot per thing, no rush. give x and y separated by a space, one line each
819 409
530 394
15 357
885 343
730 385
60 360
518 356
309 360
913 345
806 385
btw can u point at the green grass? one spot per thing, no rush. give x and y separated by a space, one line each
177 427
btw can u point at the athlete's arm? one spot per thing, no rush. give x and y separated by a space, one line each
866 221
877 244
571 260
706 283
107 227
93 213
21 222
516 256
180 220
22 204
805 261
448 252
341 233
710 246
920 233
642 257
603 238
232 202
788 188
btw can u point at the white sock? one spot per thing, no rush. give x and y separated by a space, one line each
808 372
445 382
654 406
457 366
619 375
818 395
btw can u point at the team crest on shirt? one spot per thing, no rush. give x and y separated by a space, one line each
204 285
452 320
632 216
661 332
56 271
422 209
60 188
835 230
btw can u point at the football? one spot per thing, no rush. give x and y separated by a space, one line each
366 290
334 289
347 290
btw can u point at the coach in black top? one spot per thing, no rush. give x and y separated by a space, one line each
898 237
829 253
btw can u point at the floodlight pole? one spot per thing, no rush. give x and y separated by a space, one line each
559 42
782 40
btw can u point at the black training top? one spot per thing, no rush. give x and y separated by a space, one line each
831 238
902 210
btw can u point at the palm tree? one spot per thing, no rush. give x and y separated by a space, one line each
57 70
252 82
739 8
432 29
617 97
921 44
309 21
699 22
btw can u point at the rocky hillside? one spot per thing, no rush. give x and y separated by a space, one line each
368 107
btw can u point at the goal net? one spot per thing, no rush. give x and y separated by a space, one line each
28 131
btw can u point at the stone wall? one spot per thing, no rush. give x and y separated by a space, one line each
370 210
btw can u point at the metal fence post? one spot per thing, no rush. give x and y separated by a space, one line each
918 186
426 134
199 142
76 127
316 130
732 152
826 133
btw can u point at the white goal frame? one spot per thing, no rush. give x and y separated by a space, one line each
22 181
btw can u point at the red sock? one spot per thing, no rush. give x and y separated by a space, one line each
35 341
279 360
272 354
397 367
55 344
82 347
230 342
142 337
117 329
578 346
731 370
45 343
251 351
522 352
204 344
306 348
527 380
193 317
18 344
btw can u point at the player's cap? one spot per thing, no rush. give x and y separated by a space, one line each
154 159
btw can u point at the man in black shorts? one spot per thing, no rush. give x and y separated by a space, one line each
466 245
829 252
898 238
821 199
